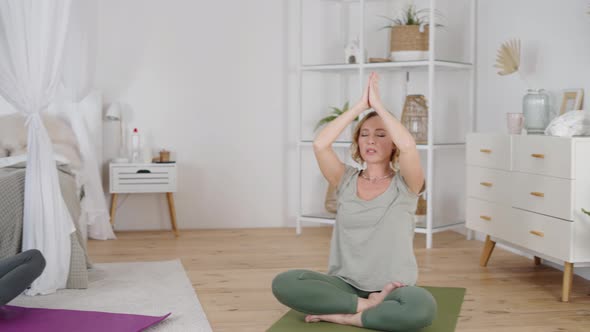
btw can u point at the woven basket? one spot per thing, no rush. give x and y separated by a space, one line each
421 209
408 38
331 201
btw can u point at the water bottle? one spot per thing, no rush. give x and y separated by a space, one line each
135 146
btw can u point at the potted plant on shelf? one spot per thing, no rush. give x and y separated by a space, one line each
336 112
330 199
409 34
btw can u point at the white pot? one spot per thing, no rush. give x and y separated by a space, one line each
409 55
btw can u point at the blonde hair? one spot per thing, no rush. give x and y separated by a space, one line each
354 147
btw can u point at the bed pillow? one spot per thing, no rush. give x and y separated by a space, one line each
90 109
64 140
10 161
13 135
13 138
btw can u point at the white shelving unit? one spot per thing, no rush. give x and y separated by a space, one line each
430 67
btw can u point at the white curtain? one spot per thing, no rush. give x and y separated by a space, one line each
77 79
32 37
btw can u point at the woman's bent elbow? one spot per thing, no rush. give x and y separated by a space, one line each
319 146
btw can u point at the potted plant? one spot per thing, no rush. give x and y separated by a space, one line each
330 200
409 34
336 112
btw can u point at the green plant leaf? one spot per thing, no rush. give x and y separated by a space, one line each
336 110
325 120
586 212
387 18
409 15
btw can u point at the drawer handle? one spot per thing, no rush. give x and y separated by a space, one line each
485 150
537 233
143 171
486 218
538 155
486 184
538 194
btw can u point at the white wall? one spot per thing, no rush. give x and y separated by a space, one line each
555 41
205 80
555 37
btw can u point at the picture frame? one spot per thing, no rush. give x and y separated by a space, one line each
572 100
415 117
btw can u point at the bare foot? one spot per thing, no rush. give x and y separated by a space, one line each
342 319
376 298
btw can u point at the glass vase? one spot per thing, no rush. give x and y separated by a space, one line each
535 106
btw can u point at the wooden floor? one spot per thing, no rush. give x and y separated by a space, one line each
231 271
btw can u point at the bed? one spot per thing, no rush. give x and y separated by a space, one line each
12 190
73 181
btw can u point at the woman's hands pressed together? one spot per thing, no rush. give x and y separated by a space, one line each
371 97
374 95
363 104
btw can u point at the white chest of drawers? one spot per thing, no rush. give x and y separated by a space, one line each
528 191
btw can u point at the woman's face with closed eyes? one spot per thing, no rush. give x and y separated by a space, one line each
375 143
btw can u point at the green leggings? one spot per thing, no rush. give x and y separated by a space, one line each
405 309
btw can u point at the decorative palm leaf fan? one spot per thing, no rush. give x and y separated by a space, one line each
508 57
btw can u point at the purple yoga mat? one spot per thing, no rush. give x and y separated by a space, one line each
23 319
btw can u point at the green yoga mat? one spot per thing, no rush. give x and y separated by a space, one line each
448 301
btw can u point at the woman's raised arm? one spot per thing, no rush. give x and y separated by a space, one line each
409 158
331 166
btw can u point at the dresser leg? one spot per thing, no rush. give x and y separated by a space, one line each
113 208
172 209
568 278
487 251
537 260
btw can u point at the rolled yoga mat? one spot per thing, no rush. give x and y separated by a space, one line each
448 302
21 319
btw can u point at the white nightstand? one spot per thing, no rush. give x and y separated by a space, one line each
143 178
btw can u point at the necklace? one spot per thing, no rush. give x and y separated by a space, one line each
376 178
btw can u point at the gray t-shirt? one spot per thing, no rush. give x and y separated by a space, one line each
372 241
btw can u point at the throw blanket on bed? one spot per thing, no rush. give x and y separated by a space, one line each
12 189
